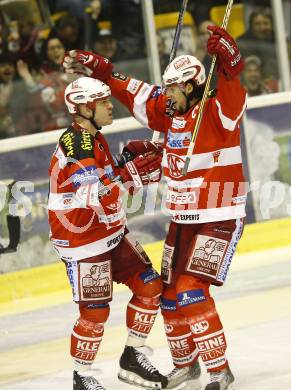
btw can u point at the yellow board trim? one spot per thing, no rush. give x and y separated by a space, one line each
170 19
47 279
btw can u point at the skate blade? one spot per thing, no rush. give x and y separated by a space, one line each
135 380
194 384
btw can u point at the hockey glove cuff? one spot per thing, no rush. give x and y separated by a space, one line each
87 64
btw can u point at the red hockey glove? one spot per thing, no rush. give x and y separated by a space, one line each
103 192
137 147
88 64
224 46
143 170
108 192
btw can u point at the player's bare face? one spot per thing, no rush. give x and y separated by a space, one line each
178 98
103 112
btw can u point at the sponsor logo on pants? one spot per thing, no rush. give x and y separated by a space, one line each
96 281
207 256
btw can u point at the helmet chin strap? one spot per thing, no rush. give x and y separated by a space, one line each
91 120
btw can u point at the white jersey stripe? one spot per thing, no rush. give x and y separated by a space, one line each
88 250
184 336
141 309
65 201
139 104
217 158
208 336
228 123
84 338
208 215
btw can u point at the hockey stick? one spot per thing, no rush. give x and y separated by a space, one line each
205 94
175 46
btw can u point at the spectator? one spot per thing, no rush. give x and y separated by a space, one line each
21 39
106 45
7 75
14 104
91 27
259 40
252 78
52 53
70 32
47 88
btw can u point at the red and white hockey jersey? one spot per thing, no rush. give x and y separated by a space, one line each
214 188
80 228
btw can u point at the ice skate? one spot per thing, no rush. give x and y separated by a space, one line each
86 381
8 249
137 370
221 380
186 378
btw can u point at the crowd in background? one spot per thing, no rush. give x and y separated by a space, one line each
32 83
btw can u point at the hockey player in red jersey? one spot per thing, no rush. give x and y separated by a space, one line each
88 231
207 205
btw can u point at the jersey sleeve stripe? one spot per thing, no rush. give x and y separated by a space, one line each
139 104
228 123
222 157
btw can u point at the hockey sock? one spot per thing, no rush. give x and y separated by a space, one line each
140 317
209 337
178 332
85 341
196 304
182 346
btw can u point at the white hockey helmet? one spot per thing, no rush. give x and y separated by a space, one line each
84 90
184 68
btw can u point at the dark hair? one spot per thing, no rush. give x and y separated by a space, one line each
67 21
7 58
197 91
47 64
44 46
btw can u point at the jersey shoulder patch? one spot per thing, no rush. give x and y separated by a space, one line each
77 145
